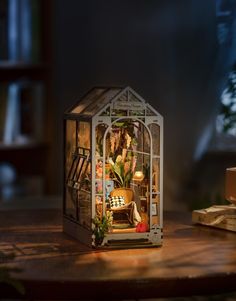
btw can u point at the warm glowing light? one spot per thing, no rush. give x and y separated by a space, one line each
138 176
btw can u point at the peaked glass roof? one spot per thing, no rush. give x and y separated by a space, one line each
95 100
122 100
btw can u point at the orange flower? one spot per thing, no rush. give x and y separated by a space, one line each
126 167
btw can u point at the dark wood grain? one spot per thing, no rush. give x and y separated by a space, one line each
193 260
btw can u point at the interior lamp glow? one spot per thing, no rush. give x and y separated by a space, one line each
138 176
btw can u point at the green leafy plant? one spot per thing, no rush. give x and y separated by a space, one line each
101 227
228 107
123 169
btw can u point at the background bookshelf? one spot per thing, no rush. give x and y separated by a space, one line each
25 98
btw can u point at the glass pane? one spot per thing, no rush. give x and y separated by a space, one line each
84 209
143 138
150 112
156 175
95 100
70 143
103 100
136 112
84 134
78 174
155 210
100 132
84 196
79 190
155 132
141 180
128 175
106 112
70 148
138 108
71 200
119 105
87 100
128 105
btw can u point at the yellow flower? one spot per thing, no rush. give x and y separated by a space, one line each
118 159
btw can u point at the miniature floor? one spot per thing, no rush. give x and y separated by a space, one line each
120 229
126 230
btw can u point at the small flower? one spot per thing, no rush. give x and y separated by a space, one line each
111 161
128 140
126 167
134 161
118 159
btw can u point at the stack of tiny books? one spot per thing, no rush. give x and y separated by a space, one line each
221 216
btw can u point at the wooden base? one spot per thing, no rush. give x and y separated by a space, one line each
223 217
117 239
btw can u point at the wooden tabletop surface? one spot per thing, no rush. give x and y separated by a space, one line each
193 260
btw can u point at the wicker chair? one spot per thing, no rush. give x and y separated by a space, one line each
123 215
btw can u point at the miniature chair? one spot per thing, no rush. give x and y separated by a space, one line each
126 212
127 193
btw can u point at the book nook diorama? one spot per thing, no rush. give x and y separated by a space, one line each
221 216
113 170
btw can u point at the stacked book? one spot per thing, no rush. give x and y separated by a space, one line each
223 217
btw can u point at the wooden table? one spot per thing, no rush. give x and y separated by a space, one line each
193 260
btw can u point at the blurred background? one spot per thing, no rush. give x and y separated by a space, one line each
179 55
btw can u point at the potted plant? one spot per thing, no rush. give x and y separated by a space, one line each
102 226
123 169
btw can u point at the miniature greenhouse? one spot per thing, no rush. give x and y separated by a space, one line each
113 170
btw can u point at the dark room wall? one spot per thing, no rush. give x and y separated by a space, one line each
165 50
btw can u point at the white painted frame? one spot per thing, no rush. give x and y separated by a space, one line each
155 233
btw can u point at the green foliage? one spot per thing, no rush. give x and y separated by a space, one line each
229 117
126 129
123 169
228 108
101 227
